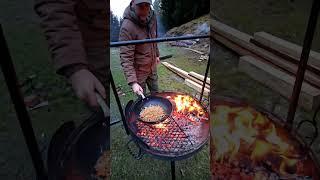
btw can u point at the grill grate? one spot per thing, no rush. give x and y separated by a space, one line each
180 134
168 136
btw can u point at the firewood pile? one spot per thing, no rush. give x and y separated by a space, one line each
272 61
192 79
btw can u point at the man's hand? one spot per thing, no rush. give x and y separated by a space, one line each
158 60
137 88
85 85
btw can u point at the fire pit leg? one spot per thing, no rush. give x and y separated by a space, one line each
173 170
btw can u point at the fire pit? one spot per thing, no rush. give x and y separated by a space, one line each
178 137
250 143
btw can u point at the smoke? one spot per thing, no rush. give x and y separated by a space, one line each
203 29
161 28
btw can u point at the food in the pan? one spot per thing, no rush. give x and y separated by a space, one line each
152 113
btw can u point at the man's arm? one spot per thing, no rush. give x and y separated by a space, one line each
58 20
127 57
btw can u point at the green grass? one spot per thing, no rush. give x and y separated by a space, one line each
123 165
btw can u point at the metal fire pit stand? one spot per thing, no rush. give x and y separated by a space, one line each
312 23
157 40
21 110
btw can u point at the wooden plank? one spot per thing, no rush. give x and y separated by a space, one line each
198 76
196 87
198 81
286 47
178 71
284 56
243 40
226 30
183 74
279 81
229 44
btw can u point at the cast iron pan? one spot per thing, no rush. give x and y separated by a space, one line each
153 100
73 152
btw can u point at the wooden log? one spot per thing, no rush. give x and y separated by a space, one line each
286 47
243 40
199 76
279 81
196 87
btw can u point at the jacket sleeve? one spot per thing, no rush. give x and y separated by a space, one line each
58 20
127 56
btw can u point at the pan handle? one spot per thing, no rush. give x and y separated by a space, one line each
103 105
137 155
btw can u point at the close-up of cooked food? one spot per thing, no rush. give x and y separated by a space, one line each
152 113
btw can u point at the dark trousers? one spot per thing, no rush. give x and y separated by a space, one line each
151 82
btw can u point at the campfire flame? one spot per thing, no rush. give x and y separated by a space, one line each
186 104
237 130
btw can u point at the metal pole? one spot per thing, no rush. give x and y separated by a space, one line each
20 108
205 79
173 170
156 40
114 89
303 62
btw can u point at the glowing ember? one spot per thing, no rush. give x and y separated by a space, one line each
160 126
241 135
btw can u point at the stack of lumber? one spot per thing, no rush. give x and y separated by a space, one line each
272 61
192 79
